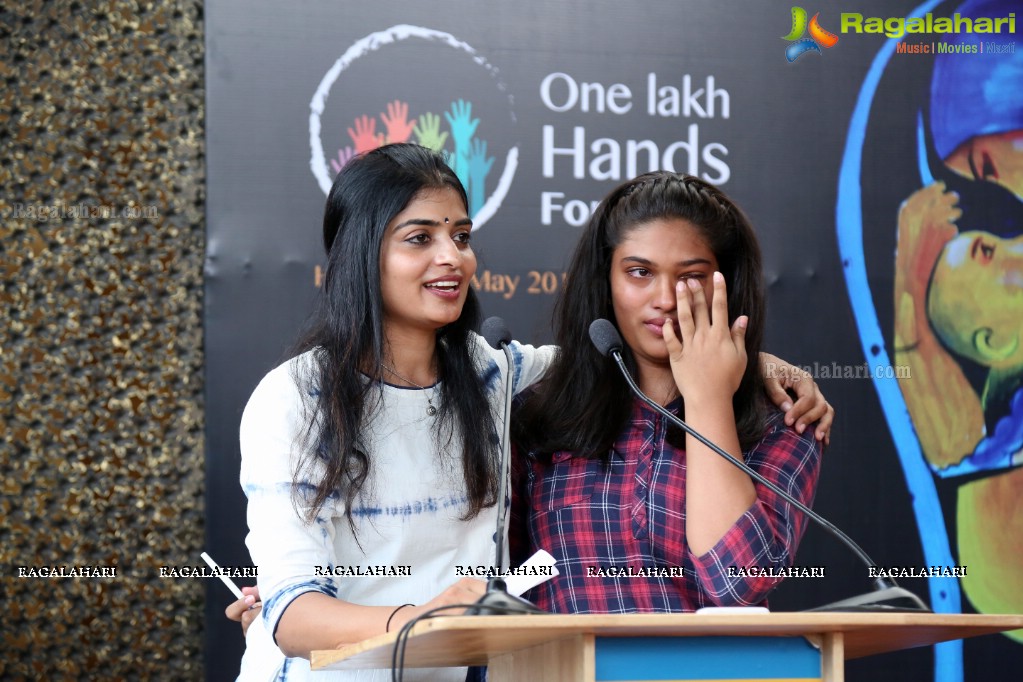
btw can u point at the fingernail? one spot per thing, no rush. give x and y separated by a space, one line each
743 321
786 406
680 285
250 600
800 428
718 277
693 284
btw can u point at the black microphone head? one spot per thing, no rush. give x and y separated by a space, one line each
495 331
605 337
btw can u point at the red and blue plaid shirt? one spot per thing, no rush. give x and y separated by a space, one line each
599 520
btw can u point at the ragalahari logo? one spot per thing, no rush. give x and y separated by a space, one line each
800 45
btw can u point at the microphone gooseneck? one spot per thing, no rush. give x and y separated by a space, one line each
887 595
497 599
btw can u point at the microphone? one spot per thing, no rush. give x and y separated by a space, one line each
887 595
497 599
495 332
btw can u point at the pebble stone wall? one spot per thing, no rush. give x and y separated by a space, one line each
101 359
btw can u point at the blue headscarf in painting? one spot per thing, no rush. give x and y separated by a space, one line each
977 94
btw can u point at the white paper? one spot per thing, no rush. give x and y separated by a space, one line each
517 584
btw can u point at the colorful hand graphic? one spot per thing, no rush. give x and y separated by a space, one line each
479 167
428 132
365 136
343 157
396 119
463 127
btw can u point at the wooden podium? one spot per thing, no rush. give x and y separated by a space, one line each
789 647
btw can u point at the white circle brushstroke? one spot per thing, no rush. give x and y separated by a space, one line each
374 41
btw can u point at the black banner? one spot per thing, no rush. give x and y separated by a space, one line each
818 121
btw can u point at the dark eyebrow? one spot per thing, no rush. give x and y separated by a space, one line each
430 223
685 263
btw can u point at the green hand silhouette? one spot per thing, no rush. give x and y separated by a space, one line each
428 133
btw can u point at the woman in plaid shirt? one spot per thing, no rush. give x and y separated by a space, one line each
639 515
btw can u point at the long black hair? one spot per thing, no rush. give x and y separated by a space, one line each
582 403
346 335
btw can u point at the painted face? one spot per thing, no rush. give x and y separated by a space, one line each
997 157
645 268
426 263
975 300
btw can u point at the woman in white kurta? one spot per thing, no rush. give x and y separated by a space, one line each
370 459
409 535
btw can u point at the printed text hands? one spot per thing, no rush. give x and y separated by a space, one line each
707 358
